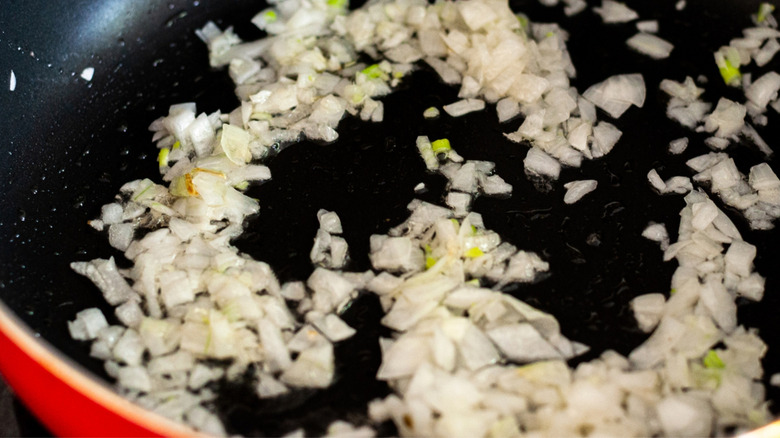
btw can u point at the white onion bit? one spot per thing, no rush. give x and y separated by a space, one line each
615 12
678 146
464 106
657 233
650 45
648 26
575 190
617 93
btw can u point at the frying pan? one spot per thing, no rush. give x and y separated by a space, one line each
69 143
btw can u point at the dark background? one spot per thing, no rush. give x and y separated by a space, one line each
68 145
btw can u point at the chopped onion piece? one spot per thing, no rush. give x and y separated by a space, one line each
751 133
269 387
464 106
105 275
431 113
329 221
121 235
684 414
762 177
678 146
235 144
615 12
426 152
334 328
330 289
727 119
539 163
507 109
313 368
739 258
648 310
657 233
459 202
656 181
648 26
764 89
88 324
605 137
650 45
522 343
617 93
396 253
575 190
135 378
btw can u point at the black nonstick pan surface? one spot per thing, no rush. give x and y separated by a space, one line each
67 145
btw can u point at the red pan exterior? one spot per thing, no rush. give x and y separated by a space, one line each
67 401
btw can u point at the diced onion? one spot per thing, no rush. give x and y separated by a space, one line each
616 94
575 190
464 106
615 12
650 45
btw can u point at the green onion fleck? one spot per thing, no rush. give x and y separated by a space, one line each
242 185
474 253
431 113
441 145
730 73
339 4
374 72
162 157
673 291
523 21
261 116
270 16
429 259
713 361
176 145
358 97
474 282
756 416
764 10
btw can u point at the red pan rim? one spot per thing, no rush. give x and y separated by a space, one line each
79 380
